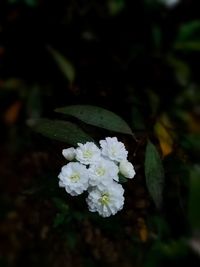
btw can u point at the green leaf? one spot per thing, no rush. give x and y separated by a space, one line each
189 31
64 131
194 199
154 173
97 116
64 64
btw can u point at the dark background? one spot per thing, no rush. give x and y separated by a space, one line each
139 59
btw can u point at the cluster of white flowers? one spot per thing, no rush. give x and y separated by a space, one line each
97 170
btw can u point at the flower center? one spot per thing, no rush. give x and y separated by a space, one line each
105 199
87 154
75 177
100 171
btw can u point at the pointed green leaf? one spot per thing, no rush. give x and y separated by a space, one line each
64 64
154 173
64 131
97 116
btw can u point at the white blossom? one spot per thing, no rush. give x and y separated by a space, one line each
106 201
88 153
69 153
126 168
113 149
74 178
103 172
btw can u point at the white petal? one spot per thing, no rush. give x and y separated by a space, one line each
74 177
126 168
88 153
69 153
113 149
103 172
106 200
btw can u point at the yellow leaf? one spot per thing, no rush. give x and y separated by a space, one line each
143 231
165 134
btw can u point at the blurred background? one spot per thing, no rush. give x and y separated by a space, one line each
139 59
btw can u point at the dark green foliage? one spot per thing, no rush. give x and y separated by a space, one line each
117 67
154 174
63 131
97 116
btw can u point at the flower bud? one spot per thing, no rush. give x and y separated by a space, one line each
69 153
126 169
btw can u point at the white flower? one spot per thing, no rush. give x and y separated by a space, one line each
88 153
69 153
113 149
106 201
170 3
126 169
74 177
103 172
